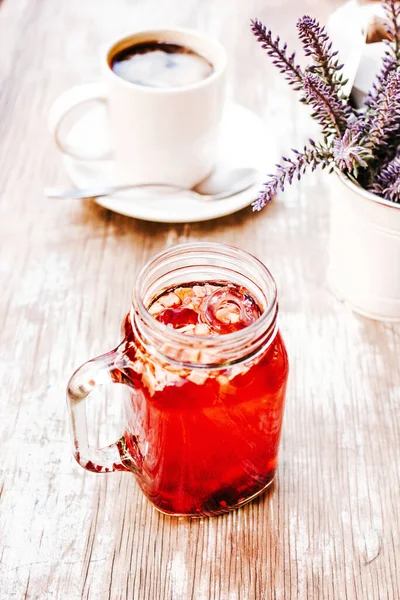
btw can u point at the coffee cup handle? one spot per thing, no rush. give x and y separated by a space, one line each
99 371
64 106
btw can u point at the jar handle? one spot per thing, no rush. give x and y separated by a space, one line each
98 371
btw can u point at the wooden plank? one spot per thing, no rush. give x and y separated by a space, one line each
329 528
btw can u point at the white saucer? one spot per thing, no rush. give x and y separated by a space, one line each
243 143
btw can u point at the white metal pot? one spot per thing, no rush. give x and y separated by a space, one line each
364 248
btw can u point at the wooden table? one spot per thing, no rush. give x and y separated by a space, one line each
329 529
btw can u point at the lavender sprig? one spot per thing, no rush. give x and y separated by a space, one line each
317 45
389 65
311 156
328 109
391 57
392 25
387 182
383 117
284 62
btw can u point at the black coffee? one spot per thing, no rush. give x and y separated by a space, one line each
161 65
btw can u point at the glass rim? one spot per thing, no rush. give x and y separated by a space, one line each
263 322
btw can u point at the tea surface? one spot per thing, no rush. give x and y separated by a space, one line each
206 308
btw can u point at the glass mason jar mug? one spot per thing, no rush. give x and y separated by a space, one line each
204 416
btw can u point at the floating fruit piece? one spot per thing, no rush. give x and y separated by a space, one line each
178 317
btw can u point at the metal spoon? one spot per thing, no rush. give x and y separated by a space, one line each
217 186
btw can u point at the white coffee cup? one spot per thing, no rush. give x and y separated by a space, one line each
157 135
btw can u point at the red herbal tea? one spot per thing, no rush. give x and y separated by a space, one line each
207 369
219 429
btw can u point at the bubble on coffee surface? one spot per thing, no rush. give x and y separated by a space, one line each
161 65
206 308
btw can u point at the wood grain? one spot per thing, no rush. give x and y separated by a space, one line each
329 529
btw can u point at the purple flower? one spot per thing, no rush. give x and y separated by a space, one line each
328 109
387 182
383 117
348 154
391 58
286 64
317 45
392 25
311 156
